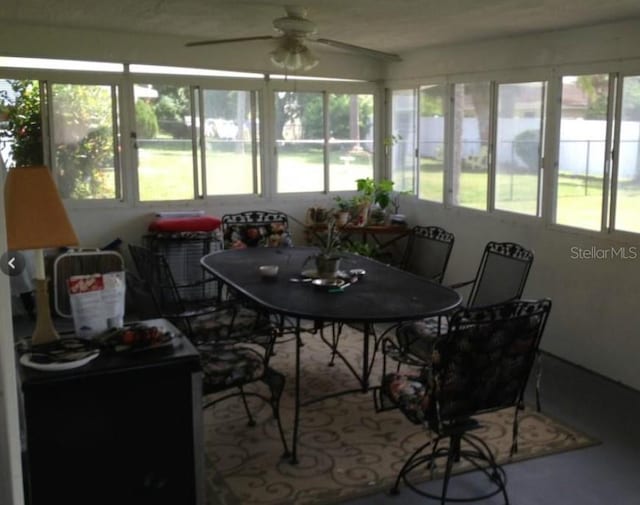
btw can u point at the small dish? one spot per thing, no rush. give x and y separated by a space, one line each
327 283
268 270
313 274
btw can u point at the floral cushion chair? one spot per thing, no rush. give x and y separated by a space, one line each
256 228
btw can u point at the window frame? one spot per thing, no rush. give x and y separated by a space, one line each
325 88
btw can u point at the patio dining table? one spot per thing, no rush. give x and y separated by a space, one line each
385 294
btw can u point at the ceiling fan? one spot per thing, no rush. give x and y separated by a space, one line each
294 31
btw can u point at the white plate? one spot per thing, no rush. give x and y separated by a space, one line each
25 360
328 283
313 274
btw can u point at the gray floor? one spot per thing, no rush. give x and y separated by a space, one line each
608 473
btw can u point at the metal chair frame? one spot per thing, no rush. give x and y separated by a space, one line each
156 273
510 334
440 238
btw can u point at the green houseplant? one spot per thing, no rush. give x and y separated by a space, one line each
327 260
378 193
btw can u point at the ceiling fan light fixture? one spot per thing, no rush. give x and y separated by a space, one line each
294 57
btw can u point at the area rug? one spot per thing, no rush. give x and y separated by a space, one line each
346 449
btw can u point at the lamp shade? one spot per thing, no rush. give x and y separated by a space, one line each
35 215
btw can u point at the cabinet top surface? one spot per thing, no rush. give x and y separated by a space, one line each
182 352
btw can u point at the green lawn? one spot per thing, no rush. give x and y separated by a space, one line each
168 175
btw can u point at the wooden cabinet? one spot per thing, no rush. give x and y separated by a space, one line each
120 430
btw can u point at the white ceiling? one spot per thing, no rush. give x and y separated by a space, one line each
386 25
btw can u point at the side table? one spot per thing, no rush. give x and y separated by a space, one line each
121 429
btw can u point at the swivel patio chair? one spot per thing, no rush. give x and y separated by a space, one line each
234 345
501 276
481 365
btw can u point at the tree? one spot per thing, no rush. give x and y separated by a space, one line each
82 134
24 122
82 141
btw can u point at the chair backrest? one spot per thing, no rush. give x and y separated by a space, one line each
428 251
502 274
486 358
154 270
256 228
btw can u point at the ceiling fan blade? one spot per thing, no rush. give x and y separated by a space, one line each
359 49
226 41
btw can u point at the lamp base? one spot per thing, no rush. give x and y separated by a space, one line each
44 332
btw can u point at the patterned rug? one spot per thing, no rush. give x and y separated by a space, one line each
346 449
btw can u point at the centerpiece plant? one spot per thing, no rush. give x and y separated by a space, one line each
328 241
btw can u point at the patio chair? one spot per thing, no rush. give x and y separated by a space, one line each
427 252
234 344
501 277
481 365
256 228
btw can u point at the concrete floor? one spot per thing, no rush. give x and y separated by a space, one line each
606 474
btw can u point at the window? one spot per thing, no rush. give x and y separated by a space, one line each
518 147
83 134
299 137
165 148
350 140
84 140
431 130
401 144
581 165
20 123
305 146
231 139
627 195
470 160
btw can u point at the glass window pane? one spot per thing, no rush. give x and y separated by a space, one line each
82 136
583 131
228 132
20 123
402 141
471 144
350 140
165 152
628 187
518 144
299 133
431 143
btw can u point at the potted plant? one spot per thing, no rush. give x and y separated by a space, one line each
377 193
327 260
343 211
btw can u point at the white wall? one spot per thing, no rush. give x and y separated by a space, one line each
595 316
10 468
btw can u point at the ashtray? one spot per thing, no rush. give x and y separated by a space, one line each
327 283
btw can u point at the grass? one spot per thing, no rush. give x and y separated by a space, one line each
168 175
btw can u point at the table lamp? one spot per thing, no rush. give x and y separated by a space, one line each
36 219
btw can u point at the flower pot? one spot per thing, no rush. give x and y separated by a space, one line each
361 216
327 266
342 218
